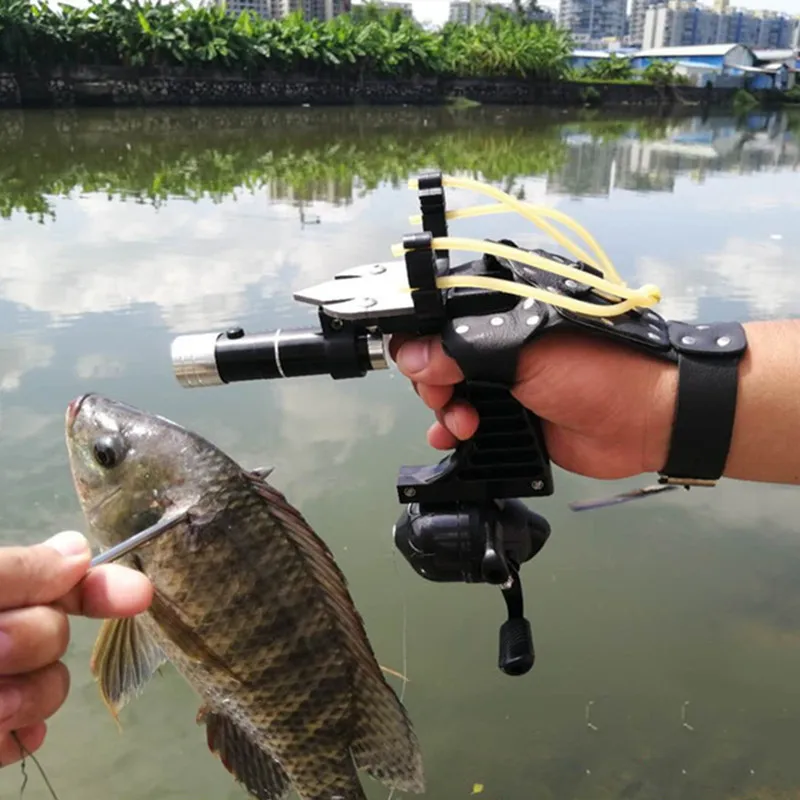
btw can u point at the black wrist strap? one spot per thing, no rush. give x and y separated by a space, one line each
708 382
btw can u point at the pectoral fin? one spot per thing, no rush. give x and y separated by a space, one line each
124 659
261 775
169 619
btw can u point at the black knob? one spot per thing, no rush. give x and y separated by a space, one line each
516 646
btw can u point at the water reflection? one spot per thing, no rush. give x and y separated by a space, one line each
336 156
123 229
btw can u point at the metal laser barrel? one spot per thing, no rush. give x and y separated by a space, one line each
211 359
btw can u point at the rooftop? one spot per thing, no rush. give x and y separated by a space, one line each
692 50
775 55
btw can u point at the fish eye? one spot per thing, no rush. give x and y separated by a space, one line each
108 451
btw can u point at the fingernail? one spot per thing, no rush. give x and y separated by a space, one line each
449 419
413 357
68 543
10 701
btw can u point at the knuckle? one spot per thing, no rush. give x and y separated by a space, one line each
61 634
43 693
49 690
37 636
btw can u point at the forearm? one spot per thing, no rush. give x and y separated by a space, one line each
766 434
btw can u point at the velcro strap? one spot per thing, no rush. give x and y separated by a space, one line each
708 382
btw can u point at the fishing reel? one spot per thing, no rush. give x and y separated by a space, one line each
463 518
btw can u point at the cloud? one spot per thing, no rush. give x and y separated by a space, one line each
194 262
18 356
329 438
97 365
760 273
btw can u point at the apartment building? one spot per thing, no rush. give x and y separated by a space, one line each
679 23
593 20
465 12
277 9
406 9
635 35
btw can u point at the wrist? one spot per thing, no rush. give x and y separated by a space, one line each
662 398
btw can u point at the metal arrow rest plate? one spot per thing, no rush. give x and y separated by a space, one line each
370 291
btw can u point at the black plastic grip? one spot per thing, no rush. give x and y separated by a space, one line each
516 653
508 450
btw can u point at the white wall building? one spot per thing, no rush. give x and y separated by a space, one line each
593 20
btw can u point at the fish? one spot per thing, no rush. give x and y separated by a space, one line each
249 606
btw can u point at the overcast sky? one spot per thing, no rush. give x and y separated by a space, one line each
436 10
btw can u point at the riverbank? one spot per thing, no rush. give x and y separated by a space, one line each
122 87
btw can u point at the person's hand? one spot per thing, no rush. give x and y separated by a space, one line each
606 410
39 586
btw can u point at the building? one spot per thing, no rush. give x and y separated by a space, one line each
726 56
717 64
593 20
676 23
680 23
777 69
278 9
581 59
471 12
635 34
406 9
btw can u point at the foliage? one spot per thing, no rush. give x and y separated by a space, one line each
147 33
663 73
743 101
152 156
610 69
792 97
618 69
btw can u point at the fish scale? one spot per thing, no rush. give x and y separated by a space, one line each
250 607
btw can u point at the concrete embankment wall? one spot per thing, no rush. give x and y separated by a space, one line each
121 87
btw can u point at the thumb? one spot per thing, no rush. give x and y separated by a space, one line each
41 574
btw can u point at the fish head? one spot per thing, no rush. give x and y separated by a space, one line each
131 468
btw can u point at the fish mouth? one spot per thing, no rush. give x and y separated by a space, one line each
74 407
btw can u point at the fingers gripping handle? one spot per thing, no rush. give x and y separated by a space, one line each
507 457
508 451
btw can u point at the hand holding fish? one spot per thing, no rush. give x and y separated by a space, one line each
40 586
607 411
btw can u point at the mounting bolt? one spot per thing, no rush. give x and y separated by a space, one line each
336 324
537 485
410 491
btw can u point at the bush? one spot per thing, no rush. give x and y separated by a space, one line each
144 33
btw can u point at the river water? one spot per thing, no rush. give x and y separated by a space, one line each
667 631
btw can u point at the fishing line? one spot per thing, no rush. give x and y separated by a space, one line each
25 754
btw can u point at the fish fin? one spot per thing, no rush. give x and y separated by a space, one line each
260 774
390 671
384 744
262 473
124 658
183 636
